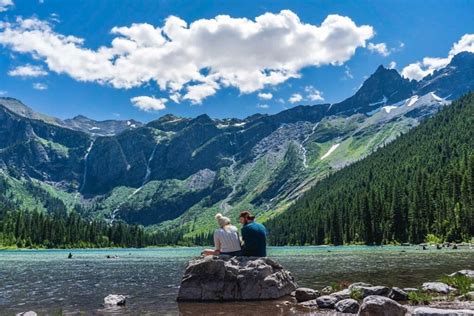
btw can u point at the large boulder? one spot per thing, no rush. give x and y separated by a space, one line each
429 311
438 287
349 306
225 278
381 306
304 294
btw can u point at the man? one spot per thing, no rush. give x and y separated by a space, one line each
254 236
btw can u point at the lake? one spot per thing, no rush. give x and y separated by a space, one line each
47 282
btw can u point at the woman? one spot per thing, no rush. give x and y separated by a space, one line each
226 238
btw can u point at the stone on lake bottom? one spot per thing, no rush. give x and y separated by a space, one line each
115 300
225 278
304 294
29 313
381 306
349 306
429 311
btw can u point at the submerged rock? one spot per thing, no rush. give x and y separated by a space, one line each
115 300
438 287
429 311
224 278
349 306
381 306
29 313
304 294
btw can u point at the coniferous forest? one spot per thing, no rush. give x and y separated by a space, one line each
418 188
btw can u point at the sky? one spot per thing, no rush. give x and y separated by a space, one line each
143 59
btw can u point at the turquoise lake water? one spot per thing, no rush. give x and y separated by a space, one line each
47 282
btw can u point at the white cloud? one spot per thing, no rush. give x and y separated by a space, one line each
3 92
39 86
295 97
195 59
428 65
313 94
380 48
265 96
27 71
348 73
146 103
263 106
392 65
5 4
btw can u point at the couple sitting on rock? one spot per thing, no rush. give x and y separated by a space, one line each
228 242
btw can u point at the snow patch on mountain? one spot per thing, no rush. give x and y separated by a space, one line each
330 151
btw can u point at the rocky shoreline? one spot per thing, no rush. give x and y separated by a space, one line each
239 279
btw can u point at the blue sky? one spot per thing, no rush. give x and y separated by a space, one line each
301 61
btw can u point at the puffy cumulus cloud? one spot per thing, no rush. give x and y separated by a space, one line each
40 86
5 4
27 71
196 59
380 48
146 103
428 65
295 97
263 106
313 94
265 96
392 65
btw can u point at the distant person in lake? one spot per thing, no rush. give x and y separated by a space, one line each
254 236
226 239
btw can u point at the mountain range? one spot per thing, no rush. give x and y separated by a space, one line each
176 173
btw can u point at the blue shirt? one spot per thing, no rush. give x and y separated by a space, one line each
255 240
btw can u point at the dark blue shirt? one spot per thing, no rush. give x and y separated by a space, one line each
255 240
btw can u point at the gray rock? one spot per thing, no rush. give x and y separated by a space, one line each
115 300
326 301
359 284
225 278
349 306
468 273
342 295
438 287
429 311
29 313
304 294
381 306
410 289
398 294
327 290
372 290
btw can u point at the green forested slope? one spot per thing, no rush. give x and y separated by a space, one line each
420 184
